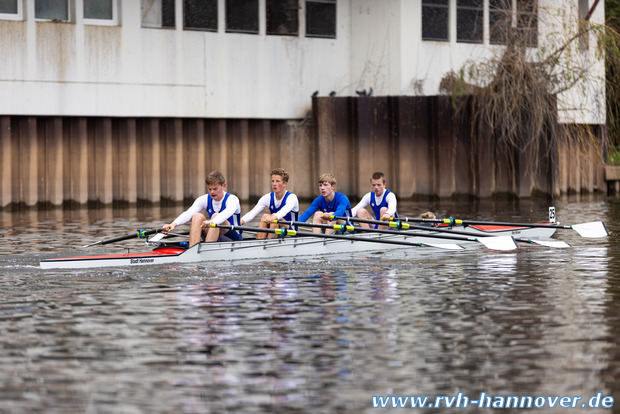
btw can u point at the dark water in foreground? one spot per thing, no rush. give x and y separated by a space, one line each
316 336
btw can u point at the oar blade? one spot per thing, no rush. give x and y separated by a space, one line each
552 243
157 237
499 242
592 229
446 246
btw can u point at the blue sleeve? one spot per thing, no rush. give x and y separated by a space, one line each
311 210
343 206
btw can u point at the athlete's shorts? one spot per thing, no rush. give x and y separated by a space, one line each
230 235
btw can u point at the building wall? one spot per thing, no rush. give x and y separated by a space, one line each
103 114
81 69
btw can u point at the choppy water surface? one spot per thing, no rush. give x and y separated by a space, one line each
316 336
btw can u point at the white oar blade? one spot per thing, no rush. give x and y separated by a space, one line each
593 229
157 237
447 246
499 242
552 243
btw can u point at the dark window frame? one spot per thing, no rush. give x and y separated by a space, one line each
250 27
282 17
527 20
207 22
12 12
467 11
433 11
500 21
321 28
63 18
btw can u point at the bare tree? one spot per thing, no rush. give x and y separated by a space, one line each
519 93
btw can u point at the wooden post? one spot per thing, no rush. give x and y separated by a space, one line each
6 164
54 160
125 171
28 161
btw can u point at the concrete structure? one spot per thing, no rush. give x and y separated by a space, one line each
138 106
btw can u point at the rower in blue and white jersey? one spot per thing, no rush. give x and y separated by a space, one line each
221 207
282 204
381 201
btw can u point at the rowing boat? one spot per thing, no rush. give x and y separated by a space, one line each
253 249
490 230
289 248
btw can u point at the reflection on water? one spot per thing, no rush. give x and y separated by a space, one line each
310 336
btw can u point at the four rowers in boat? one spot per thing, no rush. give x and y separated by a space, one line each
224 208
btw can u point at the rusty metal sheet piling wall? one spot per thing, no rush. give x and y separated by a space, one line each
423 149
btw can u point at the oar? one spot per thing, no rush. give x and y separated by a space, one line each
494 243
140 233
405 226
289 232
590 229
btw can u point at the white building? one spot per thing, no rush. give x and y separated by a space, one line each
243 58
130 100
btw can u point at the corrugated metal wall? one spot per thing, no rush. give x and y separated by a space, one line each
416 141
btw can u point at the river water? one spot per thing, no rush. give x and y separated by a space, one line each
322 335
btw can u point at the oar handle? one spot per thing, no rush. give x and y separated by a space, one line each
336 227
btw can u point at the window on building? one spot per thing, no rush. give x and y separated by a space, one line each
200 14
98 9
282 17
584 9
527 22
435 20
8 6
158 13
100 12
11 9
469 21
500 21
51 9
321 18
242 16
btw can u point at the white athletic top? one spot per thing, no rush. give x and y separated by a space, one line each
292 204
365 201
232 207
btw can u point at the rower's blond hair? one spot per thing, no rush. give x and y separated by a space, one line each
281 172
215 177
327 178
428 215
